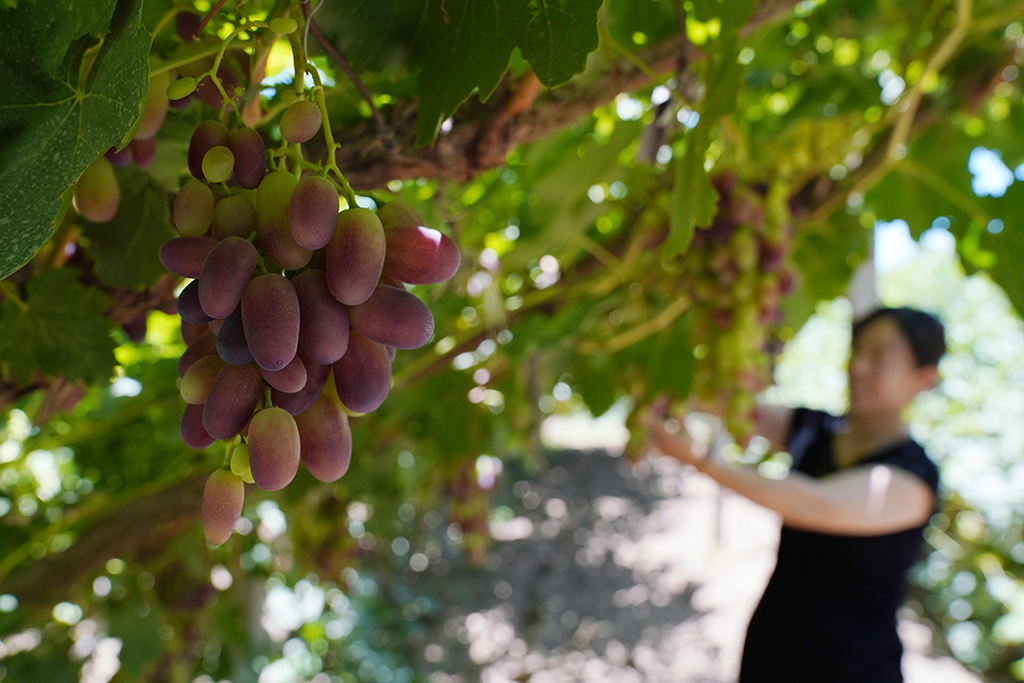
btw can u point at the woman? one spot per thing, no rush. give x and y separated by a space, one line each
853 507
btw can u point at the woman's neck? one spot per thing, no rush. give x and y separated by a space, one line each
876 428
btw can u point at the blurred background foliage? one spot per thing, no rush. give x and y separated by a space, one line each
831 118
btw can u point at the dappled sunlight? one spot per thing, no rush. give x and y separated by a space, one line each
646 577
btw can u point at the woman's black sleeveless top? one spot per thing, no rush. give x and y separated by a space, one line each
828 614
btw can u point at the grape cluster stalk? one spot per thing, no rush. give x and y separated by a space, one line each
737 271
295 307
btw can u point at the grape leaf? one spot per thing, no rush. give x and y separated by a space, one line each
466 47
61 332
56 24
670 364
462 46
127 247
693 199
55 128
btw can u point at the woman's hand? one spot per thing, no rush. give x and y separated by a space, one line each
671 438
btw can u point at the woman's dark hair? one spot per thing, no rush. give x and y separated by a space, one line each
922 330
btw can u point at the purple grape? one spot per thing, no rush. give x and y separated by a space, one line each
190 332
323 320
272 222
225 274
207 135
120 159
313 212
398 212
184 256
419 255
250 157
316 378
233 397
135 329
325 438
186 24
193 433
355 256
188 304
270 318
290 379
393 317
222 505
205 345
143 152
274 448
231 344
363 375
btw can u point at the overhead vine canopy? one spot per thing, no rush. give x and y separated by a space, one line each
619 176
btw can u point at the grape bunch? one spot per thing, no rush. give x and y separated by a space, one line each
294 311
736 270
142 149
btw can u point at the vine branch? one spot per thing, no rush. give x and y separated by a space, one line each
333 53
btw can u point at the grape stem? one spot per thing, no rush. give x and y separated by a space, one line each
164 20
332 146
207 18
228 449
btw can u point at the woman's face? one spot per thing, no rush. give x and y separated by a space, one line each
883 371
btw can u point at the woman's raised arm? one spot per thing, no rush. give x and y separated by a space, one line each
861 501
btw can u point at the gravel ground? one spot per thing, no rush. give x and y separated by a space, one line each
644 574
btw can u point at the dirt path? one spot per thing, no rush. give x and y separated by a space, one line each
611 572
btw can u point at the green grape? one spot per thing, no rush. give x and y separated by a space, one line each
283 25
193 209
183 87
274 448
156 107
97 194
289 97
240 463
195 385
300 122
222 505
218 164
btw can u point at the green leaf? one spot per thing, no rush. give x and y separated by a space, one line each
126 248
653 19
62 332
670 364
140 635
54 25
55 128
594 379
693 201
464 46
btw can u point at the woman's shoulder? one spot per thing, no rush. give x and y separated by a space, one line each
911 456
810 440
808 424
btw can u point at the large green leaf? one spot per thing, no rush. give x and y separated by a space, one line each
61 330
126 248
693 199
464 46
54 128
54 25
670 363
